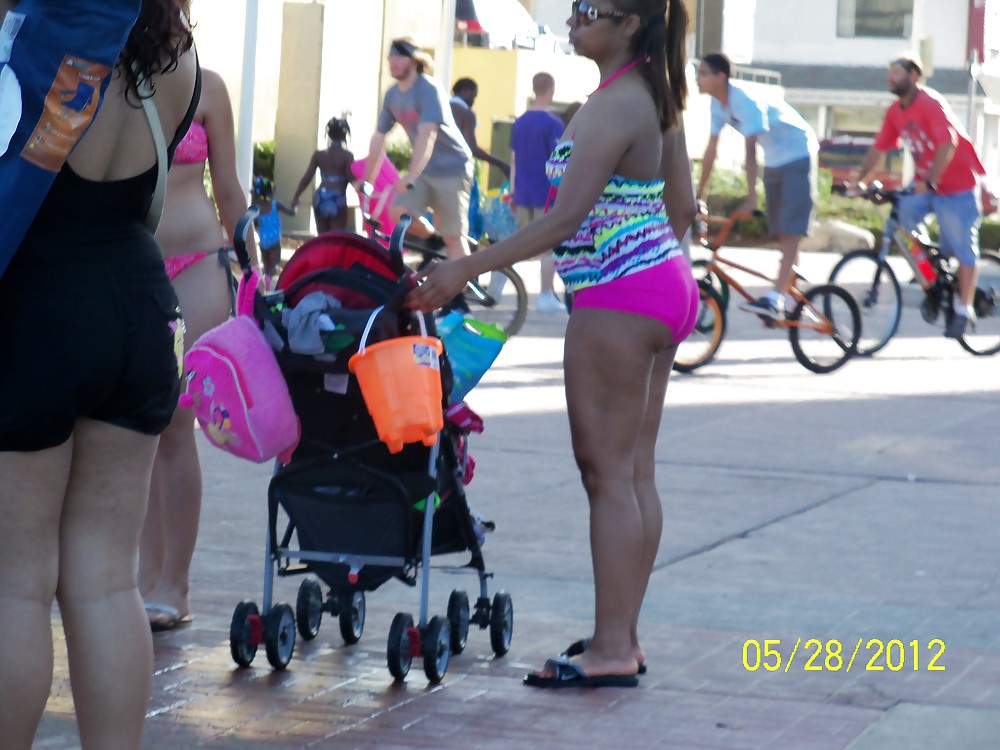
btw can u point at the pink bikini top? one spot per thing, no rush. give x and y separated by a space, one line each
193 149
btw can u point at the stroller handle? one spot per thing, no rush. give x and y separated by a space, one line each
396 244
240 236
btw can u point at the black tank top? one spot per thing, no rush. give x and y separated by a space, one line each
73 201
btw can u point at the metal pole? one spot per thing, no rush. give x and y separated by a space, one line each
974 69
244 138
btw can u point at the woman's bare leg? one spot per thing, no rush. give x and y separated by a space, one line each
107 633
609 358
644 481
31 501
176 487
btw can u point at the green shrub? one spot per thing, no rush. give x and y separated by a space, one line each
399 153
989 235
263 159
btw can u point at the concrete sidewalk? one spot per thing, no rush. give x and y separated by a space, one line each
857 507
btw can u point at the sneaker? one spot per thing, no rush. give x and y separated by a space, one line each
956 326
547 302
765 307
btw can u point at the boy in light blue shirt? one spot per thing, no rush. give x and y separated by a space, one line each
789 147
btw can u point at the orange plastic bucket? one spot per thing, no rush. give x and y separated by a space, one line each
400 380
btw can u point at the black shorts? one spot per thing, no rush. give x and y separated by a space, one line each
89 327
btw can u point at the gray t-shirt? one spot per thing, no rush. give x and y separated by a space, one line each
426 101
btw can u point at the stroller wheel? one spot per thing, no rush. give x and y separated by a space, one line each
242 644
437 648
279 635
352 618
458 620
501 623
398 651
309 609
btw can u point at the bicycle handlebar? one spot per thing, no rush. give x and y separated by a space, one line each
878 194
727 222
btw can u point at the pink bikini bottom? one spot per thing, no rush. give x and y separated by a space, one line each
177 263
667 292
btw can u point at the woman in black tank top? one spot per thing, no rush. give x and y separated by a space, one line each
90 333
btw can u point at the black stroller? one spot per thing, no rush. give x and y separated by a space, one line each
356 511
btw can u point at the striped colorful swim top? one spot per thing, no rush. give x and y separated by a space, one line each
627 231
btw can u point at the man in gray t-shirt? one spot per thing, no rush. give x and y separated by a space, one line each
440 173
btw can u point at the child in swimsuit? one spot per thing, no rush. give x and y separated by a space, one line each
269 223
334 164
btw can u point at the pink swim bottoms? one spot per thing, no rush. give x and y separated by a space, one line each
175 264
667 292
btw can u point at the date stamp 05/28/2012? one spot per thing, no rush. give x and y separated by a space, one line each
833 655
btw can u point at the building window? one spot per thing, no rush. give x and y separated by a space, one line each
890 19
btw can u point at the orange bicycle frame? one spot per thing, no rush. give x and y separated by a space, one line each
821 323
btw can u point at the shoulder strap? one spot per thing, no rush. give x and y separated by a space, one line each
156 128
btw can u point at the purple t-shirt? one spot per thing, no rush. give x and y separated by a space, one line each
532 139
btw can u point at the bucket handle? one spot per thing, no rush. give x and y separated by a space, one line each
371 322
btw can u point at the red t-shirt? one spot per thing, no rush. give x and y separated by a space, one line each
924 126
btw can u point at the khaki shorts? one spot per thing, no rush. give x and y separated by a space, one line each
447 197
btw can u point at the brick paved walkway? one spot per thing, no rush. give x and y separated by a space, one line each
862 504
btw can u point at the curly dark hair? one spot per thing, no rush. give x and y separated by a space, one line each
160 37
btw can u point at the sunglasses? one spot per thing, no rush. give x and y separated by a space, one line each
586 13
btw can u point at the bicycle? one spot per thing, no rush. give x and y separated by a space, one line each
823 328
498 297
871 278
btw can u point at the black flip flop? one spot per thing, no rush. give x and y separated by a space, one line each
578 647
566 674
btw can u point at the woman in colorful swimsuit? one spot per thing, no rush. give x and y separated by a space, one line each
635 300
195 250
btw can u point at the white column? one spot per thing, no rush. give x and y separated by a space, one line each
442 65
244 128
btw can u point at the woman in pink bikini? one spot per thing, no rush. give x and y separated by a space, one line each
195 249
635 300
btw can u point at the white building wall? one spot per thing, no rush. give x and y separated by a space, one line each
805 32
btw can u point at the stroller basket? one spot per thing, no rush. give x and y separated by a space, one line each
366 515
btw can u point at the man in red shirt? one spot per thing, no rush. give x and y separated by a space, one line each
946 174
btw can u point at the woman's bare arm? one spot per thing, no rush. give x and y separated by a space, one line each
678 189
220 126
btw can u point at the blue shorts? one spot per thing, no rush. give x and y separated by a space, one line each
957 216
788 191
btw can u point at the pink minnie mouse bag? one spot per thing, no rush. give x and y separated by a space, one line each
235 387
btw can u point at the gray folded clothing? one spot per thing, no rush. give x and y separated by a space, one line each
308 320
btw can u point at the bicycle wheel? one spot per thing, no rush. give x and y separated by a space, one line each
700 346
499 297
983 336
819 350
700 270
876 289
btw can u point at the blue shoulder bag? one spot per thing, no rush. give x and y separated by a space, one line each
56 59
